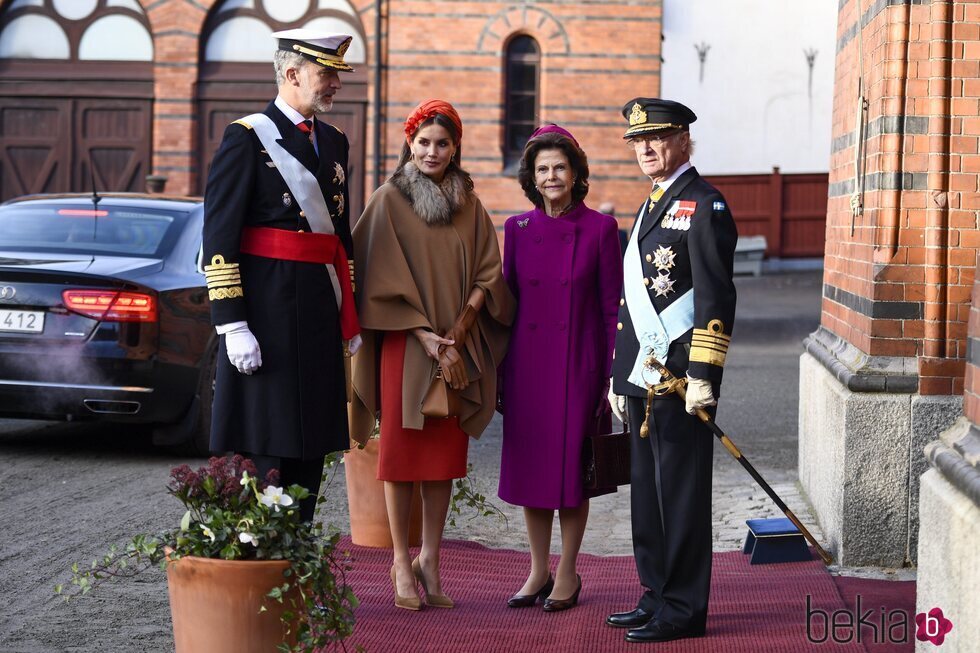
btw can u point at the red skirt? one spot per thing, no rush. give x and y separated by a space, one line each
437 452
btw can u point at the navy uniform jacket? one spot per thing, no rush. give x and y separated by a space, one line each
703 251
295 404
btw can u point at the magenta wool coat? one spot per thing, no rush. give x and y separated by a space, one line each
566 274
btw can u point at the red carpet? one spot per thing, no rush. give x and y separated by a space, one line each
878 595
753 608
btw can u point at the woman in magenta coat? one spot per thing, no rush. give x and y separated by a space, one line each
563 263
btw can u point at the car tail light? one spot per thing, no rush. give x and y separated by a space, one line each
83 213
112 305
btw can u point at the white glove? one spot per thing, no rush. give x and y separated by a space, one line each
699 395
617 403
354 344
243 349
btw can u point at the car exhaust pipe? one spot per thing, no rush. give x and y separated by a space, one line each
110 407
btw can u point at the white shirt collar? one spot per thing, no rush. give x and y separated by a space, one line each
684 167
295 116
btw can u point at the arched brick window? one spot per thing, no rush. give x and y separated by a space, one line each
76 90
523 75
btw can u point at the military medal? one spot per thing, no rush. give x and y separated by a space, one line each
287 200
663 258
663 284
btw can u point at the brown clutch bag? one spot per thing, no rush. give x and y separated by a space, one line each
440 400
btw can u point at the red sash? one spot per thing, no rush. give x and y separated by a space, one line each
307 247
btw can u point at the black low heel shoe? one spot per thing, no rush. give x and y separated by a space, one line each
557 605
527 600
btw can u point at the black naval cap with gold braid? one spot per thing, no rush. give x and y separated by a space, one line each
647 115
322 48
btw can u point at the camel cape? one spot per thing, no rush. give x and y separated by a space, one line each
412 274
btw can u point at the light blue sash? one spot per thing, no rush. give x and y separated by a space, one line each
654 331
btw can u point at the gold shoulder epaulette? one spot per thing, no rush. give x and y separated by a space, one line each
241 121
337 128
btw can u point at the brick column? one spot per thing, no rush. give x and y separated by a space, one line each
176 27
949 509
884 372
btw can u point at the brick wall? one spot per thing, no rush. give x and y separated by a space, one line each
595 57
898 276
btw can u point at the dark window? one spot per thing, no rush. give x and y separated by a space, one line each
523 70
84 229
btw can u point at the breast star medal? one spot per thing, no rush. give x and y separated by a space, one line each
663 258
663 284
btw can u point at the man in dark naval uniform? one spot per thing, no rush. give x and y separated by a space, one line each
276 238
678 304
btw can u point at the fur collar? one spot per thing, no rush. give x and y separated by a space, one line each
434 203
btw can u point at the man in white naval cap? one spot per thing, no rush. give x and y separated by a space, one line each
276 245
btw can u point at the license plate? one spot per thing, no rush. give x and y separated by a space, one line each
22 321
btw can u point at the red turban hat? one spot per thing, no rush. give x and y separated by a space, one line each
427 110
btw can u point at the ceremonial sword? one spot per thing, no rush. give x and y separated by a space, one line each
671 383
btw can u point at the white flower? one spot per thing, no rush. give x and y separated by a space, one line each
245 478
273 497
208 532
248 538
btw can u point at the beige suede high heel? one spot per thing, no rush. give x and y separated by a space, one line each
433 600
406 602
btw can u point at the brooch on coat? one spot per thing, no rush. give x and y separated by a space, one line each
679 215
523 223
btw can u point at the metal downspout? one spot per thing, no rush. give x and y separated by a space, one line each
378 110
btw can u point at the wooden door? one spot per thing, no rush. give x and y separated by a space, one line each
112 144
35 146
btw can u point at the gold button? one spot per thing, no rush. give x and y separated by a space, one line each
622 302
649 256
646 281
300 231
619 326
303 215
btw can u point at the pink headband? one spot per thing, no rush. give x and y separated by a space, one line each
553 129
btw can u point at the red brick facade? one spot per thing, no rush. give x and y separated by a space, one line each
899 274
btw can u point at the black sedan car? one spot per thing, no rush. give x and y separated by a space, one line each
104 313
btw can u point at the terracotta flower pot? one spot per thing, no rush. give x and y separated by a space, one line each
215 605
366 501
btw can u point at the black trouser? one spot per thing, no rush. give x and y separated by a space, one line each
305 473
671 511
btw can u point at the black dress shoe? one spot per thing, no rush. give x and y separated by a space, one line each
631 619
661 631
557 605
527 600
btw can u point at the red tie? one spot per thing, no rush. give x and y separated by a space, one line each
307 128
